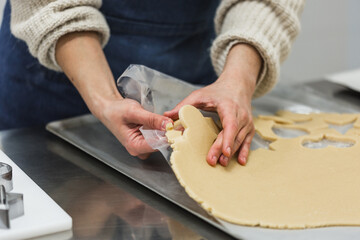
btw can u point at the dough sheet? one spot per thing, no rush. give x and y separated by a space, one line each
286 186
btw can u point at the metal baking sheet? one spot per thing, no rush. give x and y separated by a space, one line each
88 134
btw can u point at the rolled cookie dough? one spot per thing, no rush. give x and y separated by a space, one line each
287 186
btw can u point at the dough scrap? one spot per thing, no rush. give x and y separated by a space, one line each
286 186
296 117
315 121
276 119
264 129
310 123
353 131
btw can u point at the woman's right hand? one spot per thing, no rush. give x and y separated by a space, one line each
81 57
124 117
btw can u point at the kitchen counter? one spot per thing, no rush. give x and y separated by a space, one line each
103 203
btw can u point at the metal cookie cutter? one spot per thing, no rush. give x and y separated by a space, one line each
11 204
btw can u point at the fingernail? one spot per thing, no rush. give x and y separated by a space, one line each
213 161
221 159
225 161
228 151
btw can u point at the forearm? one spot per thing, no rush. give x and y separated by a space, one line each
269 25
82 59
242 68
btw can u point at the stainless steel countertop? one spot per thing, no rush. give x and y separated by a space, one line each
103 203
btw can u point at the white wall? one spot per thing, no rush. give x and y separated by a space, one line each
329 41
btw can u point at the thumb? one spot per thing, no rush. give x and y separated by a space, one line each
151 120
189 100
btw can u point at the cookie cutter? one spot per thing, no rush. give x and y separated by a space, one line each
11 204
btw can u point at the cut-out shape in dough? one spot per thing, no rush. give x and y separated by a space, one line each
259 142
326 143
288 132
286 186
341 128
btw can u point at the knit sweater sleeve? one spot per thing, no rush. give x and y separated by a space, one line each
268 25
40 23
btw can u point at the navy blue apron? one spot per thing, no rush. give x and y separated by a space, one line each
173 37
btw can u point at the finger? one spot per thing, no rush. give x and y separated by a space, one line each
136 144
192 99
140 147
215 150
245 149
148 119
144 156
233 123
231 130
223 160
239 139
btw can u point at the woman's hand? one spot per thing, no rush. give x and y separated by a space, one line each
230 96
124 117
81 57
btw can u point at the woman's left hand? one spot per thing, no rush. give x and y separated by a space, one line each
230 96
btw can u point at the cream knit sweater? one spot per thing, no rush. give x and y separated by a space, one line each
269 25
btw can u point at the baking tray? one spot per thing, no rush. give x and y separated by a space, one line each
88 134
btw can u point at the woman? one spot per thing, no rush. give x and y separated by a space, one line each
253 37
